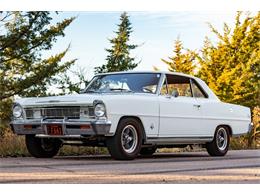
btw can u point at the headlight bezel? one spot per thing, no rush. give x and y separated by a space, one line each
99 109
18 113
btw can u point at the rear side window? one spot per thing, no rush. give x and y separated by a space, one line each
197 91
176 83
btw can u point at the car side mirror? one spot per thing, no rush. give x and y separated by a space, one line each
175 93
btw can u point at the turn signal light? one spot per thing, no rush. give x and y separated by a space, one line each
27 126
84 127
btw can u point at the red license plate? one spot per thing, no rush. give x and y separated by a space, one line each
54 130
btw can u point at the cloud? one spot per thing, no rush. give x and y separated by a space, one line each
184 19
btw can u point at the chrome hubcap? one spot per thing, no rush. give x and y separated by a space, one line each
222 138
129 138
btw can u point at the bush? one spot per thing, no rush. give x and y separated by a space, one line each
254 139
14 146
5 115
239 143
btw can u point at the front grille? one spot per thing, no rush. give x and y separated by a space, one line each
72 112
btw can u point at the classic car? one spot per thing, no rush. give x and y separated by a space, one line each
131 113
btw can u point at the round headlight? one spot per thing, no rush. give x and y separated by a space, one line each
100 110
17 111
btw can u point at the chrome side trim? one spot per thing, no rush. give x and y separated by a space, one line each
205 118
177 140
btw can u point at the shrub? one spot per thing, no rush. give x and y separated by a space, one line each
14 146
254 138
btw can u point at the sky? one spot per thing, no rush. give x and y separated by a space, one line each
155 32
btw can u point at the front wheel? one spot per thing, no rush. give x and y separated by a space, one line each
219 145
42 147
126 143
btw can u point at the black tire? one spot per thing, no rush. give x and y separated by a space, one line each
42 147
218 147
148 151
118 144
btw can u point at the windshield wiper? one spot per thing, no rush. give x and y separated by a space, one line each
90 91
120 89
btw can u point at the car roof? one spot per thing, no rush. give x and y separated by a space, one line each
201 82
148 71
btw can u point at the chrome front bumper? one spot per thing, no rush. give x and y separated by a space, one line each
70 127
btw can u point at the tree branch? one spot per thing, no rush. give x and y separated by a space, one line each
22 33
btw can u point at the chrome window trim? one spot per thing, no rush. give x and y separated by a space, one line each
161 81
193 81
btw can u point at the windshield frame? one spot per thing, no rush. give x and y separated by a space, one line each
104 74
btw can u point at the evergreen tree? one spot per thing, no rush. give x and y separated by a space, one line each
181 62
118 58
23 70
23 37
231 67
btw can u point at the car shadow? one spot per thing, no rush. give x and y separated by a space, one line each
154 156
176 155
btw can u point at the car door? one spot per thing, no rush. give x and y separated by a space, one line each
180 114
208 108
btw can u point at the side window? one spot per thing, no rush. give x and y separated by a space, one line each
196 90
179 84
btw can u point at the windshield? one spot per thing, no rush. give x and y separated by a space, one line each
130 82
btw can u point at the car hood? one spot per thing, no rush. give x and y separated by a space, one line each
69 100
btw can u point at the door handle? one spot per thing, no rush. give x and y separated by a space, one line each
197 105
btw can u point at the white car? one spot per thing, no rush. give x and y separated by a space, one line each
131 113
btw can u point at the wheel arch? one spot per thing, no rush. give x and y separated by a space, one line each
138 119
230 131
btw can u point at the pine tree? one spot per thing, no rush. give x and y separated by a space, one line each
23 70
118 58
231 67
181 62
23 37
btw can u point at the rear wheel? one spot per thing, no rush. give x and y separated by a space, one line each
126 143
42 148
148 151
219 145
